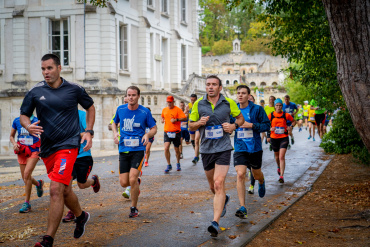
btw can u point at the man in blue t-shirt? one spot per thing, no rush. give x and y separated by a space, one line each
248 146
133 119
292 109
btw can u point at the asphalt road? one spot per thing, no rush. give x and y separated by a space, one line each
176 208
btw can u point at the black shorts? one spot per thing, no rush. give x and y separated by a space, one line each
151 140
82 168
221 158
313 122
279 143
251 160
320 119
176 141
185 135
132 159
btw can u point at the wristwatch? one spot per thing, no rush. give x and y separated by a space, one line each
236 126
90 131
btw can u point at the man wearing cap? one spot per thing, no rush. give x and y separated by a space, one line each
172 117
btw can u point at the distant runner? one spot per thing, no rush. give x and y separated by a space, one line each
149 145
312 124
184 129
299 117
291 108
268 109
194 135
319 117
306 107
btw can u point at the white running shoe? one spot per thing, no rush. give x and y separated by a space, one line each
126 193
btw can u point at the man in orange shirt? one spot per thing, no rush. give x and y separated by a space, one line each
172 117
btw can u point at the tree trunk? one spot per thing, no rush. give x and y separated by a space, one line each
349 22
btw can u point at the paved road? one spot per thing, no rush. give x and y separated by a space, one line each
176 209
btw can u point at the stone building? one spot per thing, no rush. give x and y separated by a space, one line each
149 43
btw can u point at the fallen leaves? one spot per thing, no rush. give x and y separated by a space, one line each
232 236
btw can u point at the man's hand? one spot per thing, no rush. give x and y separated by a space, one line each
88 138
162 120
173 120
203 120
272 129
116 138
268 140
247 125
228 127
34 129
290 128
145 139
16 147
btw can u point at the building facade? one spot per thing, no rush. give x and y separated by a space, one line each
152 44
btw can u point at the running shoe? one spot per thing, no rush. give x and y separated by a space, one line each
47 241
300 129
195 160
70 216
241 213
261 189
309 137
288 146
266 141
39 189
96 186
251 189
134 212
80 225
278 170
168 169
26 207
227 199
178 167
292 141
126 193
181 156
270 148
306 128
313 139
146 163
214 229
281 179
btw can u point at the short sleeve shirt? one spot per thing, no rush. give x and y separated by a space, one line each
133 124
24 136
218 114
269 109
57 111
306 108
168 114
279 121
82 117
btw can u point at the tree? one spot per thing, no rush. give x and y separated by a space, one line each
222 47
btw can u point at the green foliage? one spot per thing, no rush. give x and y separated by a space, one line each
343 138
206 49
297 92
251 46
222 47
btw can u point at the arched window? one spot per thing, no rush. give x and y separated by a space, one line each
155 100
142 100
149 100
228 72
253 84
251 70
235 82
274 83
243 72
263 84
123 100
227 82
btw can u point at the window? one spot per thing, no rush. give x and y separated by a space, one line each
123 48
183 62
183 10
142 101
150 3
235 82
263 84
227 82
243 72
274 83
155 100
59 40
251 70
165 6
149 100
228 72
253 84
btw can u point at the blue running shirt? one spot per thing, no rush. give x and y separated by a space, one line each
24 136
132 126
289 109
82 117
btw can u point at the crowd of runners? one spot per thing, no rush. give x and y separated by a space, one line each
61 135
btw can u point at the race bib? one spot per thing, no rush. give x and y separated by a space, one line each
26 140
184 125
244 133
133 141
305 110
312 118
171 135
299 115
214 132
279 130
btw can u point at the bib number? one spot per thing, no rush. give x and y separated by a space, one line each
214 132
131 141
279 130
299 115
244 133
26 140
171 135
305 110
312 118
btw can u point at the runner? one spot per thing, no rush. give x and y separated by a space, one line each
184 129
319 117
149 145
291 108
251 98
312 124
211 115
279 135
248 146
263 134
299 117
268 109
306 107
172 117
194 135
27 149
133 119
327 120
56 101
82 168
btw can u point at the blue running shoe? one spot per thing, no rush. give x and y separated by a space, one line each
241 213
227 199
261 189
195 160
214 229
26 207
313 139
178 167
39 189
168 169
309 137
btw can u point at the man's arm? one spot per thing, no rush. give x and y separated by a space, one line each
90 120
193 126
149 135
33 129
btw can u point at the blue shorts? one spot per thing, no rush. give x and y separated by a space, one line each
151 139
192 132
185 135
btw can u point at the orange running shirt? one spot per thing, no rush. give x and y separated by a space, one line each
168 114
279 121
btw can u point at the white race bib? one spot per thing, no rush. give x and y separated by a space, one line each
279 130
171 135
244 133
133 141
305 110
312 118
184 125
26 140
214 132
299 115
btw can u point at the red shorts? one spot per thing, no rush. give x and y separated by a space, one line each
22 159
59 165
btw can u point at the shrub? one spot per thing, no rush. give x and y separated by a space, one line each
222 47
205 49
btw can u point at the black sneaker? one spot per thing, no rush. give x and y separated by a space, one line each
80 226
47 241
292 140
134 212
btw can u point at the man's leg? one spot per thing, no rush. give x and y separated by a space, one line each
56 207
134 175
71 200
177 150
180 147
167 152
219 187
28 179
197 139
240 182
211 182
282 152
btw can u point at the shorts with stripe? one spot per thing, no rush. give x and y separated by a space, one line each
132 159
